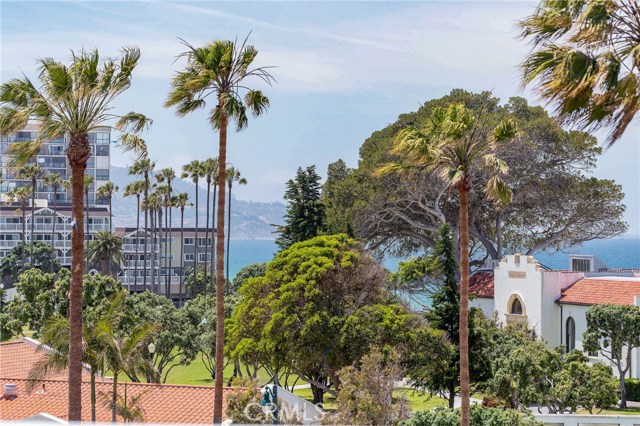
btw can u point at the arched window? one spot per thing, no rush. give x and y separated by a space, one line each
571 335
516 307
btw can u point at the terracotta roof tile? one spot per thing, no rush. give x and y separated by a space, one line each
481 284
593 291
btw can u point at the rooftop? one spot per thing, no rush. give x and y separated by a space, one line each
601 290
481 284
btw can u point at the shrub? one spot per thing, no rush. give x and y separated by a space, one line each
243 403
633 389
480 416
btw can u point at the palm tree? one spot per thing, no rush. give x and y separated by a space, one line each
453 145
106 191
54 180
181 201
165 201
106 247
220 68
136 188
194 171
210 169
152 205
20 195
167 175
73 100
144 167
233 175
31 172
585 60
127 408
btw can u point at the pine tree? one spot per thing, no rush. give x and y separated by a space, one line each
305 217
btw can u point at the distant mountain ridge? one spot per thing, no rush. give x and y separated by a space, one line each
249 220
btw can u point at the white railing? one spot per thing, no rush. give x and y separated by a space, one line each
587 420
9 243
48 227
132 248
141 263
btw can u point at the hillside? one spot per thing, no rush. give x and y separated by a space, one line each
248 219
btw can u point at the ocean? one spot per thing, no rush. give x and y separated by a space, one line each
622 252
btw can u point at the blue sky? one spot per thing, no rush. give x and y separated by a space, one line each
344 70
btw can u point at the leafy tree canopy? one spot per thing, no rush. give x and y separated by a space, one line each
548 167
44 258
249 271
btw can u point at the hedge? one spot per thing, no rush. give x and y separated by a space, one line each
633 389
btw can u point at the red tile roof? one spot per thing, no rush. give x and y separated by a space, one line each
594 291
160 403
481 284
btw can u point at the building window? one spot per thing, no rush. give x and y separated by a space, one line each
202 257
571 334
516 307
189 256
204 241
102 174
188 241
581 265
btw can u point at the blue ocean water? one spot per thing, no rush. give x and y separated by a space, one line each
623 252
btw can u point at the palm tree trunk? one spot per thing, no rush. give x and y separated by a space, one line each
222 178
33 214
228 239
213 225
465 392
93 396
24 232
170 261
110 215
181 252
135 278
78 153
114 397
206 234
103 267
146 232
55 219
86 208
166 249
195 249
153 249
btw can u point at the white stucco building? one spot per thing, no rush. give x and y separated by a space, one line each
554 303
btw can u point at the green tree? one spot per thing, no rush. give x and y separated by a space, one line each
233 175
31 172
614 331
305 217
144 167
250 271
43 258
9 326
175 338
222 69
480 416
585 60
136 188
107 191
20 195
54 180
366 395
106 248
338 197
454 145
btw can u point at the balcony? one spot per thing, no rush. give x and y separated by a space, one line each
9 244
132 248
141 263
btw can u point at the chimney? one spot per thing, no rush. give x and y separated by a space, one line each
10 391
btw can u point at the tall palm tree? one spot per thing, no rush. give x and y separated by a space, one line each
20 195
72 99
167 175
153 204
54 180
31 172
165 201
106 247
454 144
106 191
136 188
144 167
233 175
585 60
195 172
220 68
210 169
181 201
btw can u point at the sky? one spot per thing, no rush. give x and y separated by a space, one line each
343 70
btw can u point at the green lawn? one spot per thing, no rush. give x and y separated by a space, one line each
418 401
634 411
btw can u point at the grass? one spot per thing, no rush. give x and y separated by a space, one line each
631 411
418 401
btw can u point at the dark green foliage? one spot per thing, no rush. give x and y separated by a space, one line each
633 389
480 416
44 258
250 271
9 326
305 217
200 282
337 196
